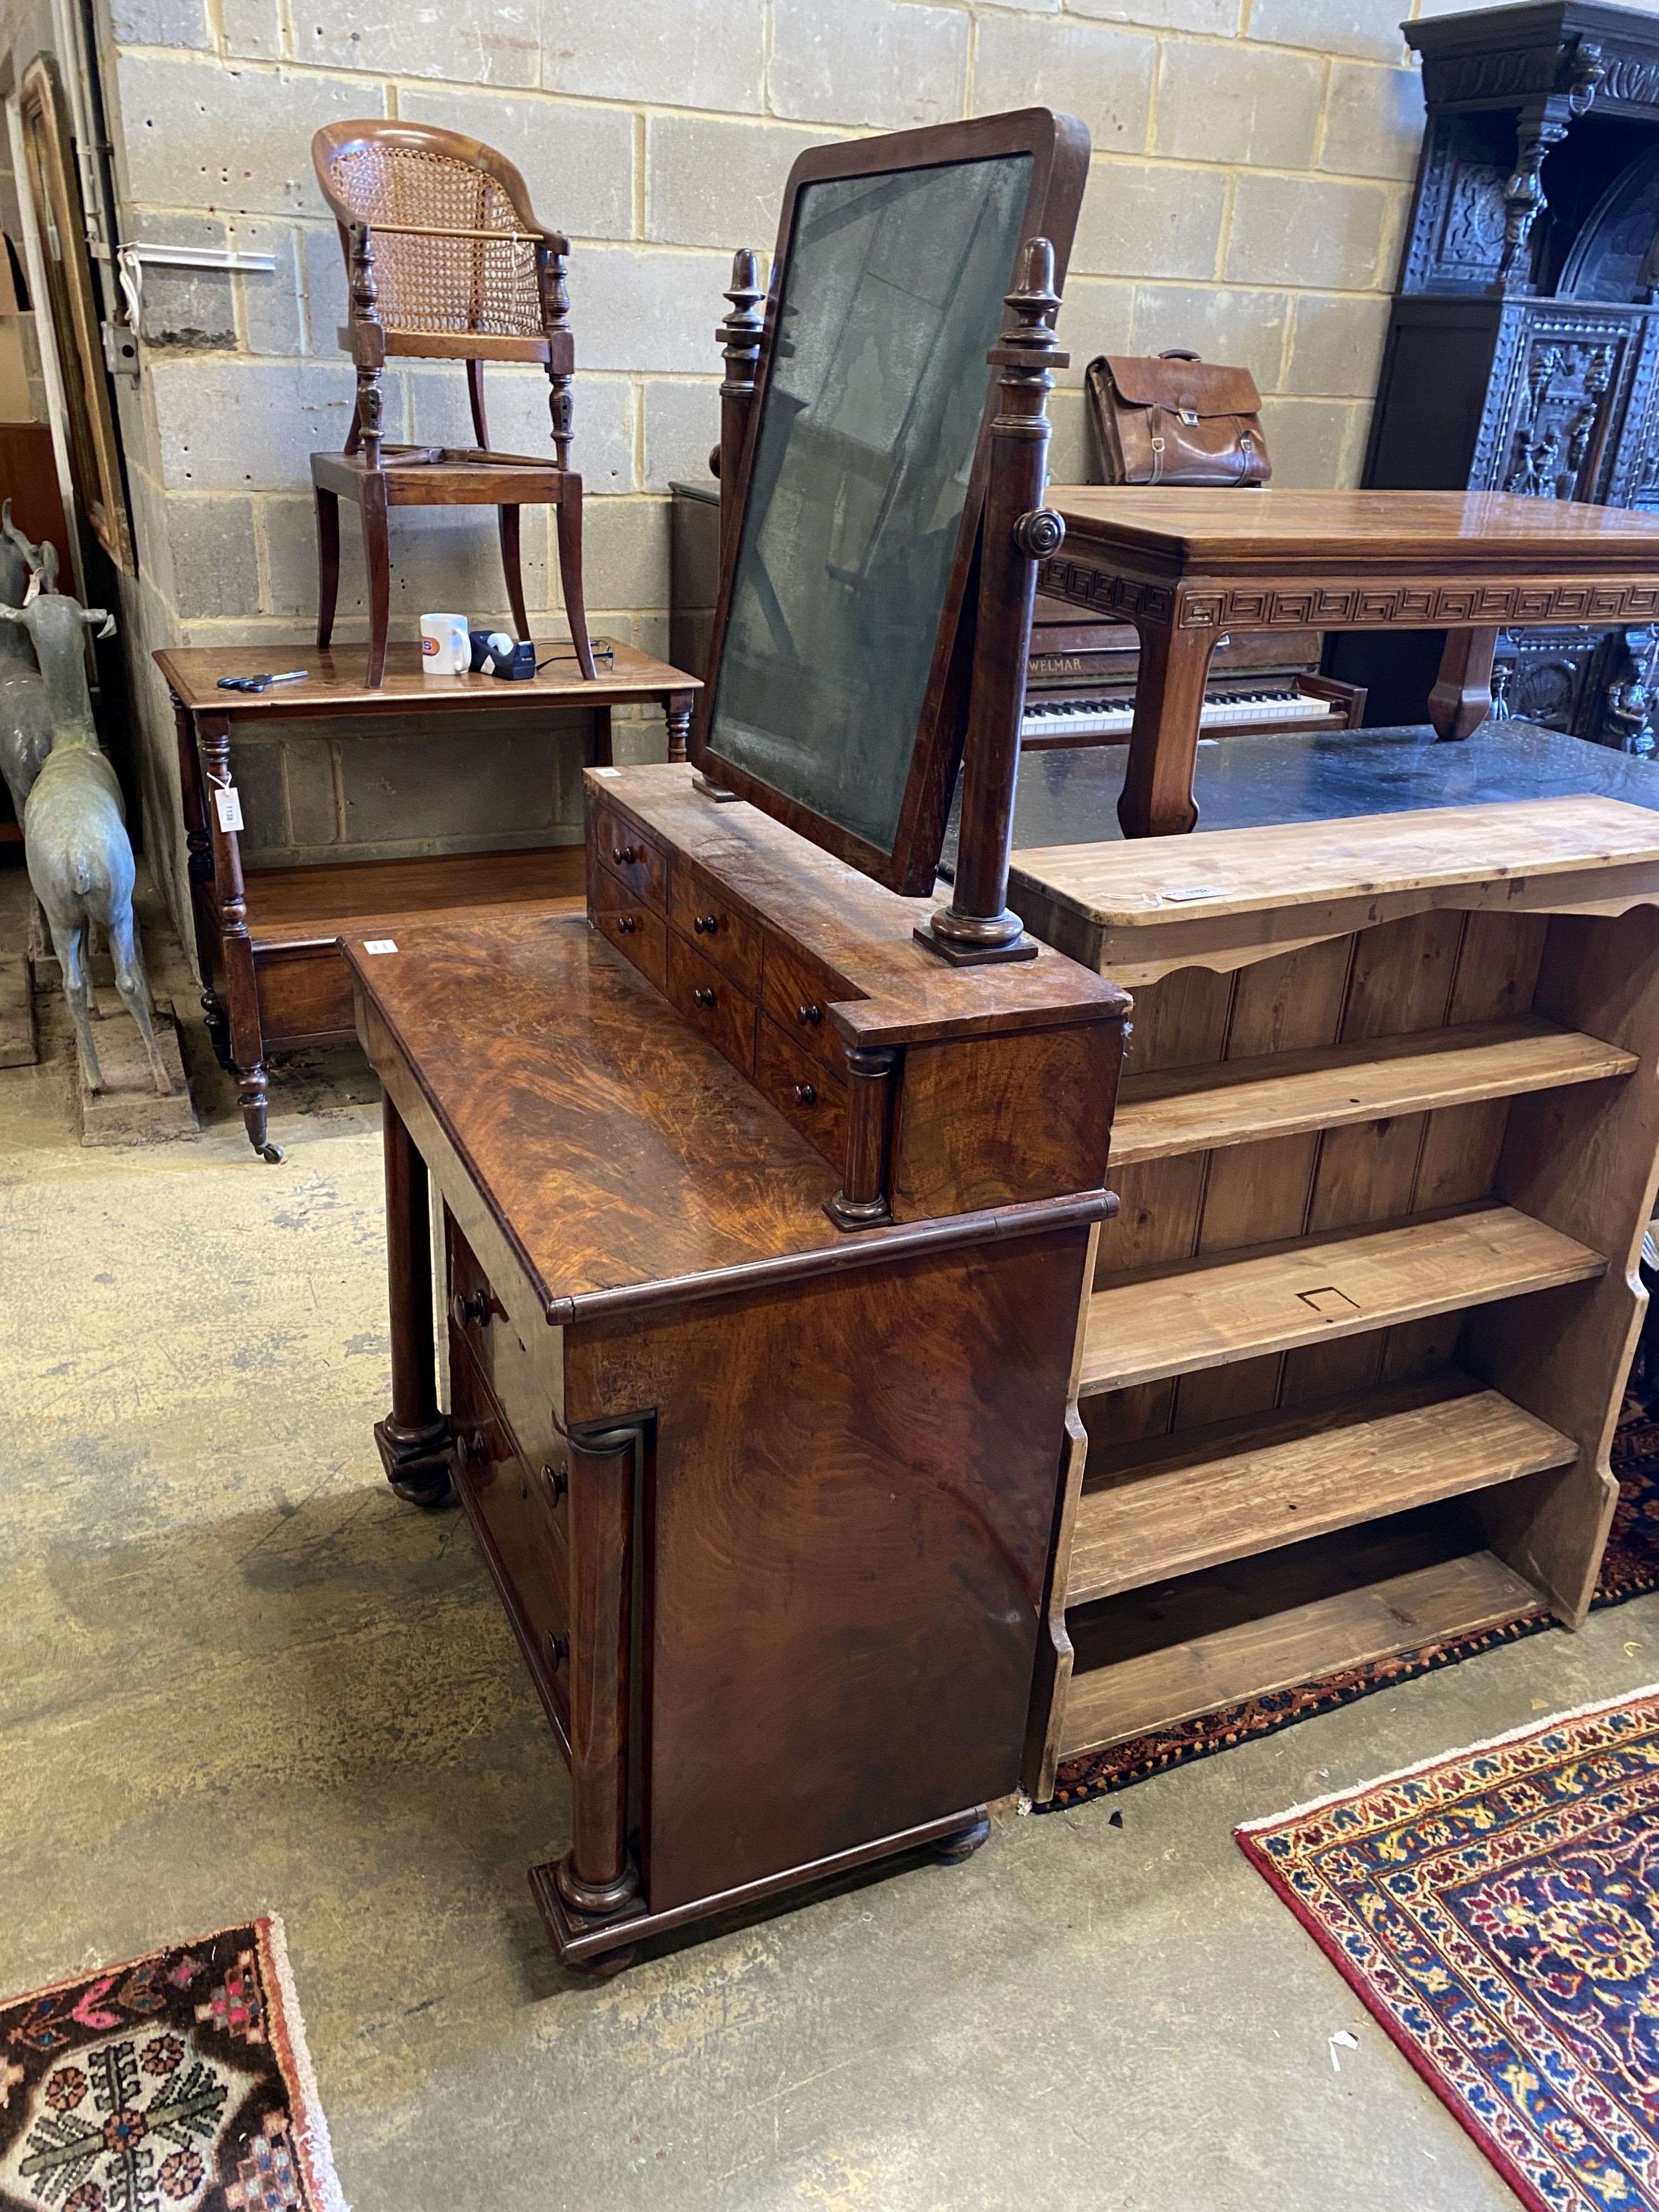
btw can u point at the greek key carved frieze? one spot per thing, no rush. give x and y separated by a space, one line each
1110 595
1298 605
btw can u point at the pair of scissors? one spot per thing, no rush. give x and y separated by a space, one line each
260 683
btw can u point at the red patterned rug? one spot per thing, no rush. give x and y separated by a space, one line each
179 2080
1496 1912
1629 1569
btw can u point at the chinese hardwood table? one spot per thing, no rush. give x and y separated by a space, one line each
266 939
1190 568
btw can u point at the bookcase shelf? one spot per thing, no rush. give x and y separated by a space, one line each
1233 1488
1313 1288
1242 1101
1178 1650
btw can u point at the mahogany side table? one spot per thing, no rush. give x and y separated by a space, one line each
271 972
1189 568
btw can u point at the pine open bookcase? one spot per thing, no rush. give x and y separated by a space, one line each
1385 1147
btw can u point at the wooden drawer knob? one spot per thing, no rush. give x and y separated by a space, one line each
557 1648
557 1482
626 925
806 1094
477 1446
809 1017
626 855
467 1306
705 924
704 994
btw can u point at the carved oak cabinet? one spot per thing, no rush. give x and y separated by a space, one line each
1523 343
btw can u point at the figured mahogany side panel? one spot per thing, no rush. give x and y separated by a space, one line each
994 1118
848 1514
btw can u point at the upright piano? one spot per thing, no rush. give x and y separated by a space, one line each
1080 683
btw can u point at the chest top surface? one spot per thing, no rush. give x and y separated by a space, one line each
1454 532
612 1146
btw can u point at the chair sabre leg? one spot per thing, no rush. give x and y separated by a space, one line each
377 554
507 520
328 563
569 522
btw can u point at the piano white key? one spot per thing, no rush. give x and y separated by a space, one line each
1085 719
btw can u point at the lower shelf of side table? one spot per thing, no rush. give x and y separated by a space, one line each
294 914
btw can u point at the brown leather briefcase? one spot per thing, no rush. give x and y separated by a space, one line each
1176 420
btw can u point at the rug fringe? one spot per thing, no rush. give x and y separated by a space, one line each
1535 1727
310 2135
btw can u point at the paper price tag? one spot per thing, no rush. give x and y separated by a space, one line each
229 804
607 772
380 945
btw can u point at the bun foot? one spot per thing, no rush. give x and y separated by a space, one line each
607 1965
425 1494
952 1849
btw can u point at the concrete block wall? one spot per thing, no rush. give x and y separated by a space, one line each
1248 197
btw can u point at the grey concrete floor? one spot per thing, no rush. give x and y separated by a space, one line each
239 1677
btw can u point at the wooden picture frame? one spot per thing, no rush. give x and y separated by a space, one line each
71 304
1057 149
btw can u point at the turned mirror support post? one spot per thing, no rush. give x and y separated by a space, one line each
740 338
1018 532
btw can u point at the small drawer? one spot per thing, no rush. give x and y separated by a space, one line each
529 1563
495 1348
699 910
629 924
803 1090
797 992
632 858
711 1003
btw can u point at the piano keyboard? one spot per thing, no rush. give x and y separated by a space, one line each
1088 718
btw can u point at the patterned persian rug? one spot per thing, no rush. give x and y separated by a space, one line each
177 2080
1496 1912
1630 1569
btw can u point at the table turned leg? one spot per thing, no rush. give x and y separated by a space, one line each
247 1044
328 562
1157 799
596 1879
676 709
1461 699
198 846
414 1439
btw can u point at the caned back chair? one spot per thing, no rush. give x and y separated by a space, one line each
444 261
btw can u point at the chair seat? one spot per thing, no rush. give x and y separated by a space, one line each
557 351
448 476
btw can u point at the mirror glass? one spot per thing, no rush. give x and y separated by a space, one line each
892 294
